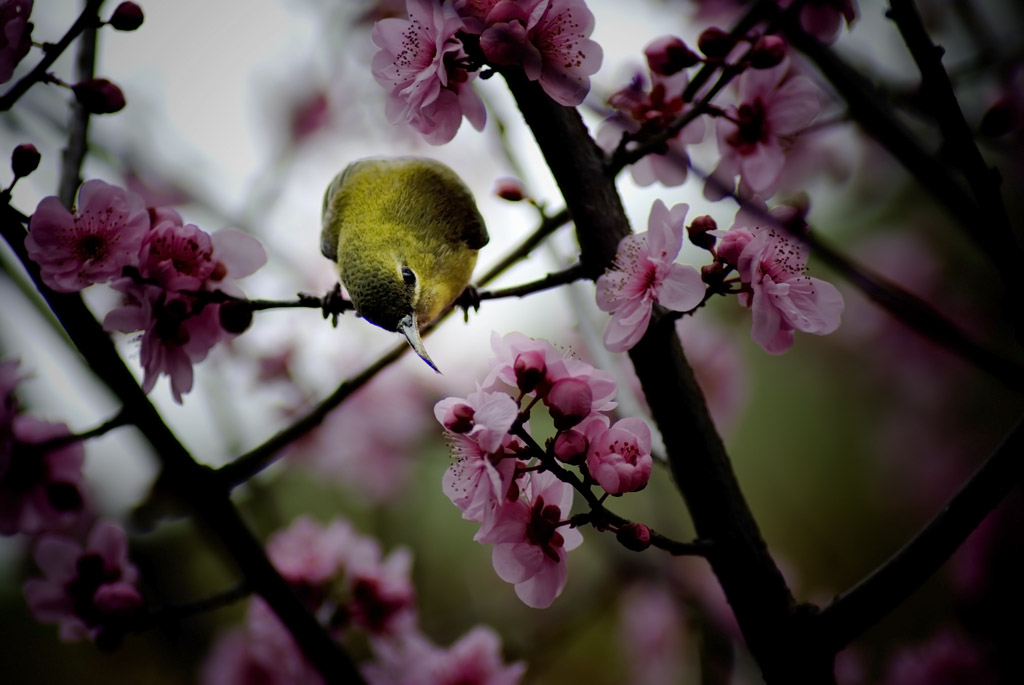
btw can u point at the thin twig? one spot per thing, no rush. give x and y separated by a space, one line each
552 280
178 612
990 227
122 418
601 517
88 17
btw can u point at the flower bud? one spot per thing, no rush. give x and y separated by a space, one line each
669 55
24 159
530 370
767 52
569 401
634 536
127 17
712 273
571 447
510 189
732 244
715 43
235 317
99 96
698 232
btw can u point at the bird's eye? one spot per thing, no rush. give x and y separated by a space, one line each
408 276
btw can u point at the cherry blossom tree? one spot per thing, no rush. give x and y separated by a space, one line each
783 451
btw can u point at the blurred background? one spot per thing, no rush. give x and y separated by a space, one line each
239 114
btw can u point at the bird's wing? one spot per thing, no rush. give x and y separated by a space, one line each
444 201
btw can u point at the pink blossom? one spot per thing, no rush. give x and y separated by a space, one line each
94 244
420 65
619 458
15 35
531 540
783 299
261 651
643 114
485 417
177 257
521 362
177 332
309 553
474 659
39 491
86 590
645 273
823 18
549 39
478 483
754 137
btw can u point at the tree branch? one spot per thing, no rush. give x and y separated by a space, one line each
874 597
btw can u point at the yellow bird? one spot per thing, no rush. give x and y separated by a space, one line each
404 233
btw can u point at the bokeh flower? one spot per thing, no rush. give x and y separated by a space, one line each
87 591
40 490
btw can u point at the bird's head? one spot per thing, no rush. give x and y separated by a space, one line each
386 292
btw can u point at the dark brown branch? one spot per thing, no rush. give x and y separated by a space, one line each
959 145
874 597
88 18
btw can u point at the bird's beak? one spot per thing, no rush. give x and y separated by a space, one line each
407 326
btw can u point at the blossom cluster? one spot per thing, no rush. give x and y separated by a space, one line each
161 266
770 263
344 578
427 62
500 482
88 590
